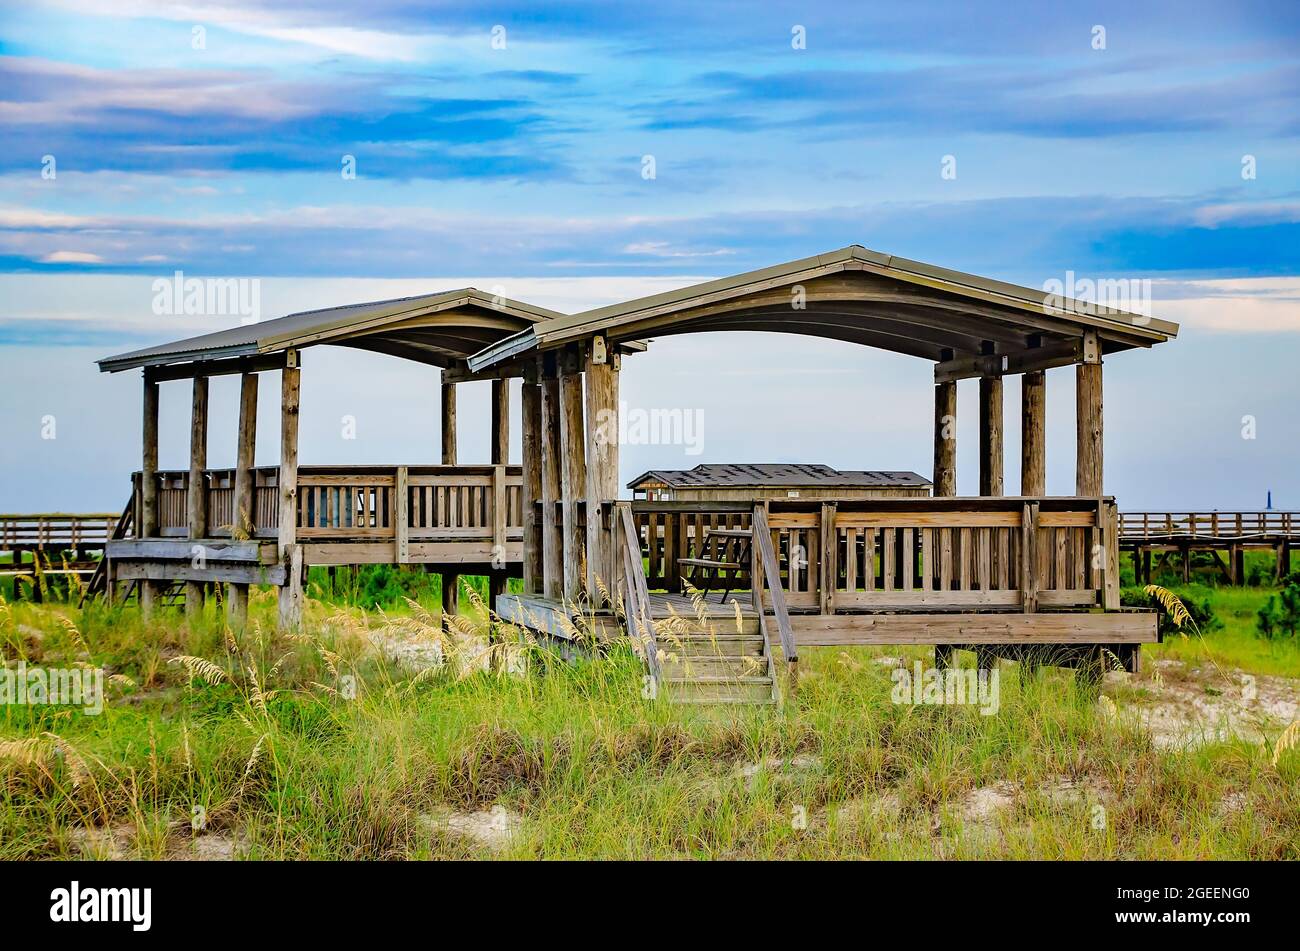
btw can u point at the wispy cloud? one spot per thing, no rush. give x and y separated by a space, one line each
186 121
1140 237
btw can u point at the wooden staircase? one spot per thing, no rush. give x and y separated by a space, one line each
171 594
722 666
98 583
699 651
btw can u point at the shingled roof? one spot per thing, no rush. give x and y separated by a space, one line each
744 475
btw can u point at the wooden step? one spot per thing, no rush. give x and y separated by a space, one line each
718 625
694 666
718 689
729 532
704 645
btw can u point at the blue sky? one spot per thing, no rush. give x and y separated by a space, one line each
520 164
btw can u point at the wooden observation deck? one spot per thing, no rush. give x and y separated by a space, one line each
1002 573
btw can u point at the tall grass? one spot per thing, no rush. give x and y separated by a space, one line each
329 745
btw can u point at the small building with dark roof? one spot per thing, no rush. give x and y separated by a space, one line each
781 480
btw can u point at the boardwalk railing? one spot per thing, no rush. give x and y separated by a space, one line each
765 571
409 507
1139 526
945 554
641 625
56 530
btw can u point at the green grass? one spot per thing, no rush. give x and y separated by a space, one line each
281 759
1235 643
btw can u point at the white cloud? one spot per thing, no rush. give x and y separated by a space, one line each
292 24
71 257
1253 213
1238 305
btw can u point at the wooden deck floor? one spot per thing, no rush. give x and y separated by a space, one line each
663 605
827 630
553 617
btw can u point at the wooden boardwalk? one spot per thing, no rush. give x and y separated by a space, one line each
53 543
1225 535
53 531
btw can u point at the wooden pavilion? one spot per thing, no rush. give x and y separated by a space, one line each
264 525
997 572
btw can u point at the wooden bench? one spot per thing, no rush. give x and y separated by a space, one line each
733 557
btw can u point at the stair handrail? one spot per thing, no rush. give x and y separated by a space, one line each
771 578
637 605
99 577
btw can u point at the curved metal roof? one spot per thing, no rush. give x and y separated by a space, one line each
442 329
866 297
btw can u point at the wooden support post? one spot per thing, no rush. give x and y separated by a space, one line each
245 517
1110 556
573 473
552 538
290 550
450 581
992 455
500 515
827 569
1033 433
196 495
1029 580
402 515
448 424
945 438
148 515
450 596
244 525
1283 561
532 421
1088 466
500 422
602 465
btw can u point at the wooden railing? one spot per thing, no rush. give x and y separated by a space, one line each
1136 526
641 626
949 554
400 504
56 530
767 589
671 532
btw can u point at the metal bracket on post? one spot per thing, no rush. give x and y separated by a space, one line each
1091 347
599 351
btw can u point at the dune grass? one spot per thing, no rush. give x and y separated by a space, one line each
321 747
